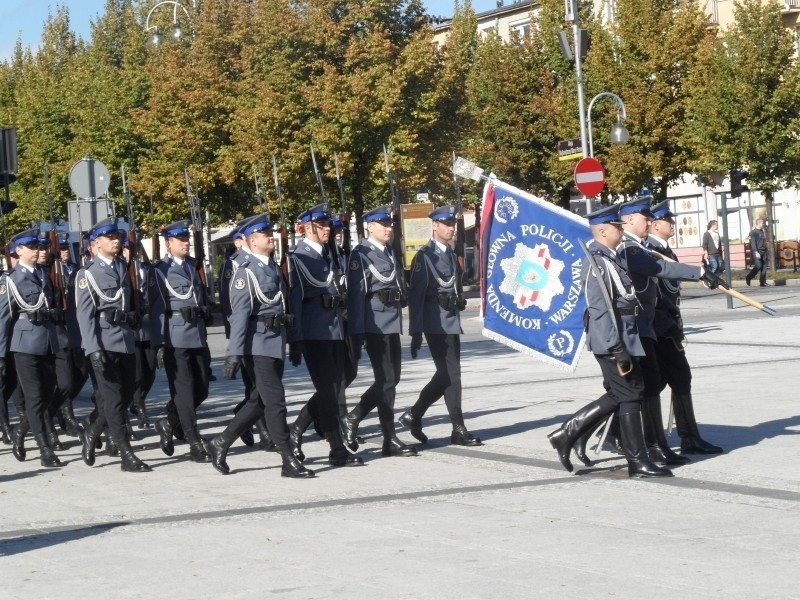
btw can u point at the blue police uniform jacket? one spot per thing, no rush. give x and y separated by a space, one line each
258 296
433 275
604 328
147 280
645 270
177 294
73 329
313 284
374 303
61 328
226 274
668 313
25 299
102 287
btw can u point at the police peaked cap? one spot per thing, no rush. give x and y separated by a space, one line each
256 224
443 213
315 213
337 222
607 214
176 229
639 205
382 213
63 240
44 239
661 211
25 238
103 227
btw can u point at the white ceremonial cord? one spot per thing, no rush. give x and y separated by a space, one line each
382 278
311 279
445 284
276 299
176 295
617 282
13 291
101 295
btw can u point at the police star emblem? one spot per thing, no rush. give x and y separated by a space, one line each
2 288
239 283
532 276
83 283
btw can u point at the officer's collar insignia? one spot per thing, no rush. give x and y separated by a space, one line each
239 283
82 283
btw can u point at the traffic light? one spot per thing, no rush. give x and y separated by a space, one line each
737 186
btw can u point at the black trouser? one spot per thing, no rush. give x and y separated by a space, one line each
384 355
114 393
267 400
65 379
187 369
249 390
673 366
326 363
80 371
145 371
446 352
760 268
36 375
627 391
7 385
650 370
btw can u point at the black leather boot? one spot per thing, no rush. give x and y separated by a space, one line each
18 439
197 447
164 430
292 467
111 447
461 435
639 464
130 462
73 425
658 447
142 418
339 456
218 451
686 423
60 420
51 434
392 446
131 434
89 437
297 429
582 422
5 427
414 423
48 457
265 439
351 422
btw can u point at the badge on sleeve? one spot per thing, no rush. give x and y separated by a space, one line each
239 283
227 274
2 288
354 264
151 281
82 283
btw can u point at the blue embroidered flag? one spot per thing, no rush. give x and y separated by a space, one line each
531 289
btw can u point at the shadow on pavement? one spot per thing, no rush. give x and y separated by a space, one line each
38 541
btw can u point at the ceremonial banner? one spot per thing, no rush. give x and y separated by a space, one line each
531 289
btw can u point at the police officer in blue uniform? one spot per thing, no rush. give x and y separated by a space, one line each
668 325
434 309
645 270
375 299
103 299
179 310
257 343
318 335
27 307
612 336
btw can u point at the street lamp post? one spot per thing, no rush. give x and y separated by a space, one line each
176 33
619 133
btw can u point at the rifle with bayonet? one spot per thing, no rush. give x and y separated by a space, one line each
155 243
332 247
197 237
258 178
397 228
285 264
346 243
54 262
133 251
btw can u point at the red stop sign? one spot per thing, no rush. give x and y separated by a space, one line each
590 177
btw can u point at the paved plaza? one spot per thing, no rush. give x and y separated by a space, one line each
503 520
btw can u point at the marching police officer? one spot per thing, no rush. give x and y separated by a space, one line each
103 298
375 297
644 270
668 325
612 337
434 308
257 342
179 310
318 335
26 328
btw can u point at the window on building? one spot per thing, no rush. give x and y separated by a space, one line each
520 29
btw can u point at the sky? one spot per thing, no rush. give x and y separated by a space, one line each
25 17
